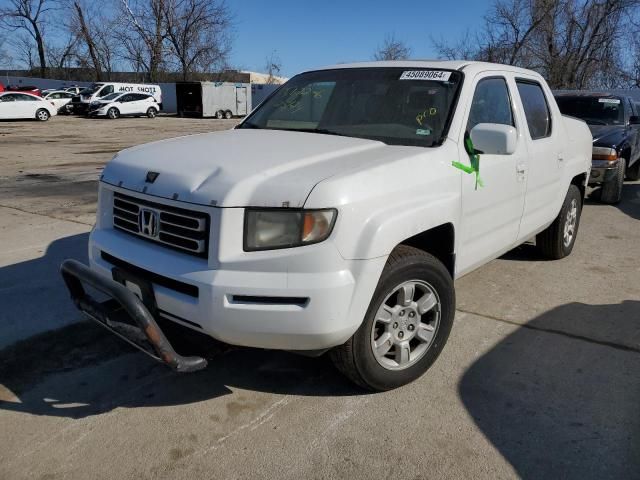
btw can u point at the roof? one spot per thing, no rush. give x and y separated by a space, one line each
586 93
467 65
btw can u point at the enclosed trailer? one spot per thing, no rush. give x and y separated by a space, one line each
213 99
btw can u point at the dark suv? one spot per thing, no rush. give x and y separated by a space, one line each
614 122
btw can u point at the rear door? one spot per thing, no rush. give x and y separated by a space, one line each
543 173
491 213
241 101
125 104
27 105
140 103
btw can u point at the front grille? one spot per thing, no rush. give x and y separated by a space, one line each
177 228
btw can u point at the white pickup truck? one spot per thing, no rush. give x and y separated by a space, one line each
337 215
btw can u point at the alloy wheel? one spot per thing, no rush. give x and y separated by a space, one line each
405 325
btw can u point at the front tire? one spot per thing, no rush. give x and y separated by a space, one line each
558 239
228 115
611 192
42 115
113 113
219 115
406 326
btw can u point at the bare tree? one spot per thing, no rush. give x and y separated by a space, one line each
28 16
273 67
97 37
573 43
392 49
61 56
144 34
198 32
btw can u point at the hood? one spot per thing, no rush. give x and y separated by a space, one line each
239 168
607 135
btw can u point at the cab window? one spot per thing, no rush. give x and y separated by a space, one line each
106 90
491 103
536 108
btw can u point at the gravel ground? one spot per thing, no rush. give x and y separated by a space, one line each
539 379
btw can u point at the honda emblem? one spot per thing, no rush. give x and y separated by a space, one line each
148 222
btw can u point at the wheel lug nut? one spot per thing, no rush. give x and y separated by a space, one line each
395 325
402 313
412 314
400 334
411 328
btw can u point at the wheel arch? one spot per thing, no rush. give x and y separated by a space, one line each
580 181
439 241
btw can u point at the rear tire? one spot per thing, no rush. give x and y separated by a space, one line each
410 315
113 113
558 239
611 192
633 173
152 112
42 115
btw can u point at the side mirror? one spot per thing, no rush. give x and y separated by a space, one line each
494 138
634 120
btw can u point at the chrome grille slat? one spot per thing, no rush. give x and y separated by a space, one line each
126 220
178 228
201 224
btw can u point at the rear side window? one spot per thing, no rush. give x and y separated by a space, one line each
491 103
536 109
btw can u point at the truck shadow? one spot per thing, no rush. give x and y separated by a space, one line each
82 370
54 362
33 298
557 405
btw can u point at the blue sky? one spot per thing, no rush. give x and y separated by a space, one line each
311 34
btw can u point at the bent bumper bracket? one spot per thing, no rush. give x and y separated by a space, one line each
145 335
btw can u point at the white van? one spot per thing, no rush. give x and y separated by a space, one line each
98 90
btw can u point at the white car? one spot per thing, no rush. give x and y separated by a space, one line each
74 90
117 105
15 105
99 91
59 99
337 215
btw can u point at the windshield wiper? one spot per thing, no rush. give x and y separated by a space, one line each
322 131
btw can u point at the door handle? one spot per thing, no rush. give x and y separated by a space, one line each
521 168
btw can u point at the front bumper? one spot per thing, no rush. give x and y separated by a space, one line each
125 315
602 172
308 300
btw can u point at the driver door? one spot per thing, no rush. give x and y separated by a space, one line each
491 213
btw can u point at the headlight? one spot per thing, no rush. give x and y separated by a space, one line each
267 229
604 153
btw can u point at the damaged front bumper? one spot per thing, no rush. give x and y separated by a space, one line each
124 313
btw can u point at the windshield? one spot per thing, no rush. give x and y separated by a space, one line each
91 90
593 110
111 96
398 106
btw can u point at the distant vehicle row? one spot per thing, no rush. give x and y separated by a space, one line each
18 105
